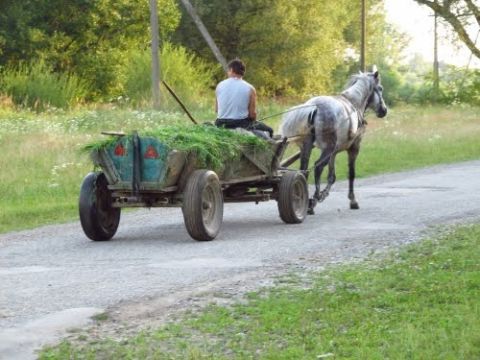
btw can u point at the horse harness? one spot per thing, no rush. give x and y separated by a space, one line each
350 108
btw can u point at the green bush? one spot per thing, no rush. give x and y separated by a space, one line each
392 81
416 85
36 86
460 86
187 75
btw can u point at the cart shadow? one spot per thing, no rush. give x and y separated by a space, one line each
171 233
240 227
176 234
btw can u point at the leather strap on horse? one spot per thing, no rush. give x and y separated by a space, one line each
360 114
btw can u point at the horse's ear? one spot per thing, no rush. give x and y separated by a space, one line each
374 69
375 74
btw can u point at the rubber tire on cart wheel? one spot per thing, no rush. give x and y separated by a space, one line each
293 197
98 218
203 205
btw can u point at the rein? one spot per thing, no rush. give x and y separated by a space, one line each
285 112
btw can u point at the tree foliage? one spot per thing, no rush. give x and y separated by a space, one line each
290 46
82 36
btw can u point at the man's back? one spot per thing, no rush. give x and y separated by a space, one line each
233 98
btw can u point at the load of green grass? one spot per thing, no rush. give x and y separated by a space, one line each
212 146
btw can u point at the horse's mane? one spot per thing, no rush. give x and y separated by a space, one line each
358 85
354 78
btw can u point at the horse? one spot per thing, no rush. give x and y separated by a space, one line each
334 124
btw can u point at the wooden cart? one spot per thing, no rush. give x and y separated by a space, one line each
142 172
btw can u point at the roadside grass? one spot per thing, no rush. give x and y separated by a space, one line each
421 302
42 168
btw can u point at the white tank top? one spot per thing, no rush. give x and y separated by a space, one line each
233 97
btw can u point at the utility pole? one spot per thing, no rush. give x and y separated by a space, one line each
363 65
155 57
206 35
436 73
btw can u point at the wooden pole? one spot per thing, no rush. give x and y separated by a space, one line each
363 65
155 56
206 35
436 72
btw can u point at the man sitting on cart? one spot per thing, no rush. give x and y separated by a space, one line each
236 101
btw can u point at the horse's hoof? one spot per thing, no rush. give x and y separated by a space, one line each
354 206
311 211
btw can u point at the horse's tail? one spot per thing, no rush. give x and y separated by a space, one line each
298 121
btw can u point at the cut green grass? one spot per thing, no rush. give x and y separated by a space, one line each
213 147
42 168
421 303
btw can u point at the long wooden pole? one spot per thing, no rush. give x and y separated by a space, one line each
436 72
206 35
155 56
363 65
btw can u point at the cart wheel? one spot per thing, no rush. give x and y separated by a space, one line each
293 197
203 205
98 218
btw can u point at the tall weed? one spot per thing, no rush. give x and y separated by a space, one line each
37 87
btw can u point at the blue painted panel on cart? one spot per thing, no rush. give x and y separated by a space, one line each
121 154
153 159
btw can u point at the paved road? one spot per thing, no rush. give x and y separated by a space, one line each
53 278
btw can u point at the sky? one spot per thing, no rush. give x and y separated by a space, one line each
417 21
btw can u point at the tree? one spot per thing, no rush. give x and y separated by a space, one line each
459 14
85 37
290 46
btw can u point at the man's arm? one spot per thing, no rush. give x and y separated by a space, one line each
252 105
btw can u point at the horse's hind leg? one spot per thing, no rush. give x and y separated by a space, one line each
352 157
331 175
319 165
306 151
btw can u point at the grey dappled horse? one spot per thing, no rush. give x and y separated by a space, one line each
334 124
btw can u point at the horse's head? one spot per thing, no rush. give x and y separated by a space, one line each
375 101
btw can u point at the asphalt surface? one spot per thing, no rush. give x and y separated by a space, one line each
53 278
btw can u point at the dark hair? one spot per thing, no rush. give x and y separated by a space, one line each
237 66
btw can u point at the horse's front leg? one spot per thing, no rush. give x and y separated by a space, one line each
352 157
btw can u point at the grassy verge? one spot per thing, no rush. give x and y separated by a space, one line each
422 303
41 167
